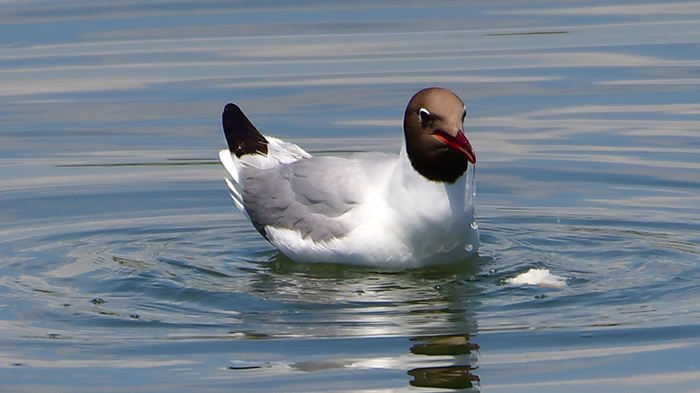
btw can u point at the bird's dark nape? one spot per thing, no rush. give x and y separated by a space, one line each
241 135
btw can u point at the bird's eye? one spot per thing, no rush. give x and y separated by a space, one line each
464 115
424 115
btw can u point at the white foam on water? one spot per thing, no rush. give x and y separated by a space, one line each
540 277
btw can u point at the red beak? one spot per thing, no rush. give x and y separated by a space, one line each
459 142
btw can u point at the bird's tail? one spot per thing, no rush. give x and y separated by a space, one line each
241 135
248 148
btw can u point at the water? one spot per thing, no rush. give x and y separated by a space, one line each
124 265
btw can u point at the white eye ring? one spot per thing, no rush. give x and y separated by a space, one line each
424 114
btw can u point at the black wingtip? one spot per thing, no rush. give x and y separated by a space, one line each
241 135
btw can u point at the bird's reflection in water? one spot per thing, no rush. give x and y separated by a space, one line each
456 376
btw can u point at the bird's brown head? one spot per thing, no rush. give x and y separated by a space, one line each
435 140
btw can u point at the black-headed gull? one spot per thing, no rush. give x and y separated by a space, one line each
371 209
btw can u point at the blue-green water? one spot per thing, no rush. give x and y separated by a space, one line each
124 265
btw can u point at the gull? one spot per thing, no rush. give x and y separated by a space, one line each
406 211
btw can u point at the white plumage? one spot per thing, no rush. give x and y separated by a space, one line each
400 219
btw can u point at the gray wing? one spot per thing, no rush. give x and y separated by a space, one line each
308 195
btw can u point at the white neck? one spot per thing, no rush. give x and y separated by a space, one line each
417 187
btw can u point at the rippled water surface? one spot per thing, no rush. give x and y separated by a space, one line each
124 265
